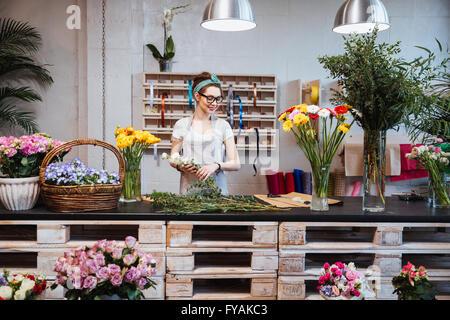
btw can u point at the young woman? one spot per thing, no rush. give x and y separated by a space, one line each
205 137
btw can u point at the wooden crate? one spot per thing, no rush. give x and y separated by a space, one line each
361 237
222 234
221 260
61 232
221 286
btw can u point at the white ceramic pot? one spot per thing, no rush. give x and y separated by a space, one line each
19 193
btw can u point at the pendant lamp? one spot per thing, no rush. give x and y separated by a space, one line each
361 16
228 15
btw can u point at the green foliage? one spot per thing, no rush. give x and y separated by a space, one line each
169 51
19 43
430 115
205 197
381 87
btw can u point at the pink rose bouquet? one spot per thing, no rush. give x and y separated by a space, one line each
105 269
343 281
22 157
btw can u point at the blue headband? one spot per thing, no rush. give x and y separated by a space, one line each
213 80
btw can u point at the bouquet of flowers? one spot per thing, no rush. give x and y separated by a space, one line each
342 281
21 286
77 173
319 140
413 284
105 269
22 157
436 162
132 145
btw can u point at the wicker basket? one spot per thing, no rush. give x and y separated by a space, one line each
85 197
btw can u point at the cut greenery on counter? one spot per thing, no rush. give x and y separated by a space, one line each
205 197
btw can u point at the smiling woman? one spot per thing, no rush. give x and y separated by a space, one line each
205 138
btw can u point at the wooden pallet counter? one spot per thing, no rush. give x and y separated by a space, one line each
260 255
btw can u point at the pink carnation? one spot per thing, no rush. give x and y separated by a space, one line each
113 269
326 266
103 274
116 279
90 283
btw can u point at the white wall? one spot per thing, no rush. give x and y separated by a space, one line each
289 36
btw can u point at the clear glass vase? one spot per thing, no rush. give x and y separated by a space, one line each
165 65
320 177
439 190
131 190
374 171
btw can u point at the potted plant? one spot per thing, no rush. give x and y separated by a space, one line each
383 89
105 271
165 60
19 44
20 160
413 284
21 286
342 281
318 132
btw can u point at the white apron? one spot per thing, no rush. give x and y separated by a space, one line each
205 148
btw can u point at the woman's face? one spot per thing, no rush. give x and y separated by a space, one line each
202 101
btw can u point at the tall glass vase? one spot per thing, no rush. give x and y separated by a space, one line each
439 190
131 190
320 176
374 171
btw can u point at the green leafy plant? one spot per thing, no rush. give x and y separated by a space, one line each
430 115
19 43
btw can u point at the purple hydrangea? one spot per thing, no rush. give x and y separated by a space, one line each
77 173
328 291
3 281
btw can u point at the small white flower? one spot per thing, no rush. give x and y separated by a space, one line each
323 113
27 284
421 149
6 292
351 266
434 156
313 109
20 294
175 156
444 160
164 156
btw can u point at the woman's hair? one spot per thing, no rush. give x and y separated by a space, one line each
204 76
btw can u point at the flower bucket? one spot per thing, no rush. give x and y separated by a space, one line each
19 193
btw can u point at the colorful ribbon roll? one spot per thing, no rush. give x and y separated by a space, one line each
314 95
290 184
230 106
255 95
164 96
257 151
190 93
240 114
281 183
272 183
155 151
151 94
298 180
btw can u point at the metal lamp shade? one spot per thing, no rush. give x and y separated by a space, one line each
228 15
361 16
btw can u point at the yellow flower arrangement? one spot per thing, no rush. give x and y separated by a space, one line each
132 145
287 125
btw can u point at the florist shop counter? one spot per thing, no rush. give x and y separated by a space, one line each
244 255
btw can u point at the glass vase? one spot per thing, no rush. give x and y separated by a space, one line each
374 171
320 177
131 190
439 190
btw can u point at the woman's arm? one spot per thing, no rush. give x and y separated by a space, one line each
232 163
176 148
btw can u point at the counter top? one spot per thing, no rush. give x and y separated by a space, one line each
350 211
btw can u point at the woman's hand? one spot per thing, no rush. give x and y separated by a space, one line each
188 168
204 172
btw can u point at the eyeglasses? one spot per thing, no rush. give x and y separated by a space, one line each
211 99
